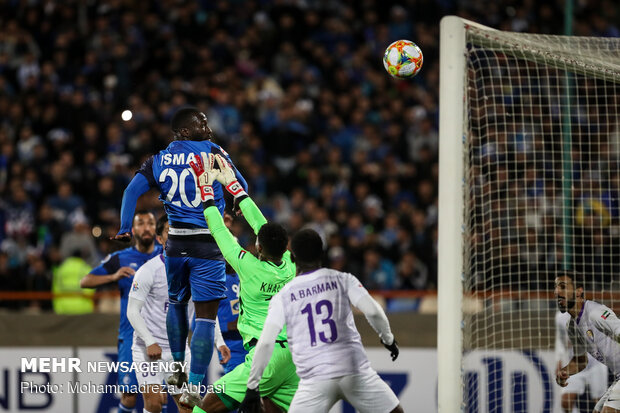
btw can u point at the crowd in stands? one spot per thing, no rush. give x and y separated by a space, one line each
294 90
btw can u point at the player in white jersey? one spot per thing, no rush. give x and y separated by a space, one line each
146 311
593 378
592 328
326 347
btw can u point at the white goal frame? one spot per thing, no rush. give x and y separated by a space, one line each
450 229
603 65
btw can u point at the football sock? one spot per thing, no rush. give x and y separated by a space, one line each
202 349
177 328
198 410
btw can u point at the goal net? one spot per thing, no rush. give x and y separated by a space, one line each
535 165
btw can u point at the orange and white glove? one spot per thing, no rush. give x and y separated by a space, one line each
228 178
205 174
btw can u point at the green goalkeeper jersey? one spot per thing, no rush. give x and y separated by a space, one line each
258 280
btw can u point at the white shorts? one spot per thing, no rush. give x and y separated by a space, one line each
154 376
366 392
611 398
594 377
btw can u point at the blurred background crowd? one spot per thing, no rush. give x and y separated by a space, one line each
294 90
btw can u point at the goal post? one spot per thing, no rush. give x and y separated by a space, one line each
451 189
529 184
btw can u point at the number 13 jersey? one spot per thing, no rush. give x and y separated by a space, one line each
316 308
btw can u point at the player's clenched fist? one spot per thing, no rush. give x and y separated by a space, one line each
154 351
392 348
122 273
561 376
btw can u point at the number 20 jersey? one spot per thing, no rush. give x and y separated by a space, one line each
170 173
316 308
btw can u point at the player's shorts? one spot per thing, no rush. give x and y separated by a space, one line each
154 375
611 398
366 392
124 355
594 377
200 279
279 381
195 268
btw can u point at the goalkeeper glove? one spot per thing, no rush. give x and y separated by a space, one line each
228 178
392 348
203 168
251 402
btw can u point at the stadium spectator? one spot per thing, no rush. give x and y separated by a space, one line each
79 237
291 86
38 278
67 279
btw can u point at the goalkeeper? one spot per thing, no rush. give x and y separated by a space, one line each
260 278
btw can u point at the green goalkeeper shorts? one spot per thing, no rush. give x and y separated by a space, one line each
279 381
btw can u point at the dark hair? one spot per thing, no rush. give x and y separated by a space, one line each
577 278
141 212
182 118
273 239
161 223
307 246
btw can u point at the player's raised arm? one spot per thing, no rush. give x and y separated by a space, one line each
141 182
232 251
360 298
229 179
226 156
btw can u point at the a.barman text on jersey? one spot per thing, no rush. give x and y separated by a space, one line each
315 308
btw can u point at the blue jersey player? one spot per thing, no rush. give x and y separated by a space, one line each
194 263
120 267
228 313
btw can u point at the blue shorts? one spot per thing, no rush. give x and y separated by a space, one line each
195 269
124 355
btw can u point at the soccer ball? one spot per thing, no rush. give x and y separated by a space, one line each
403 59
